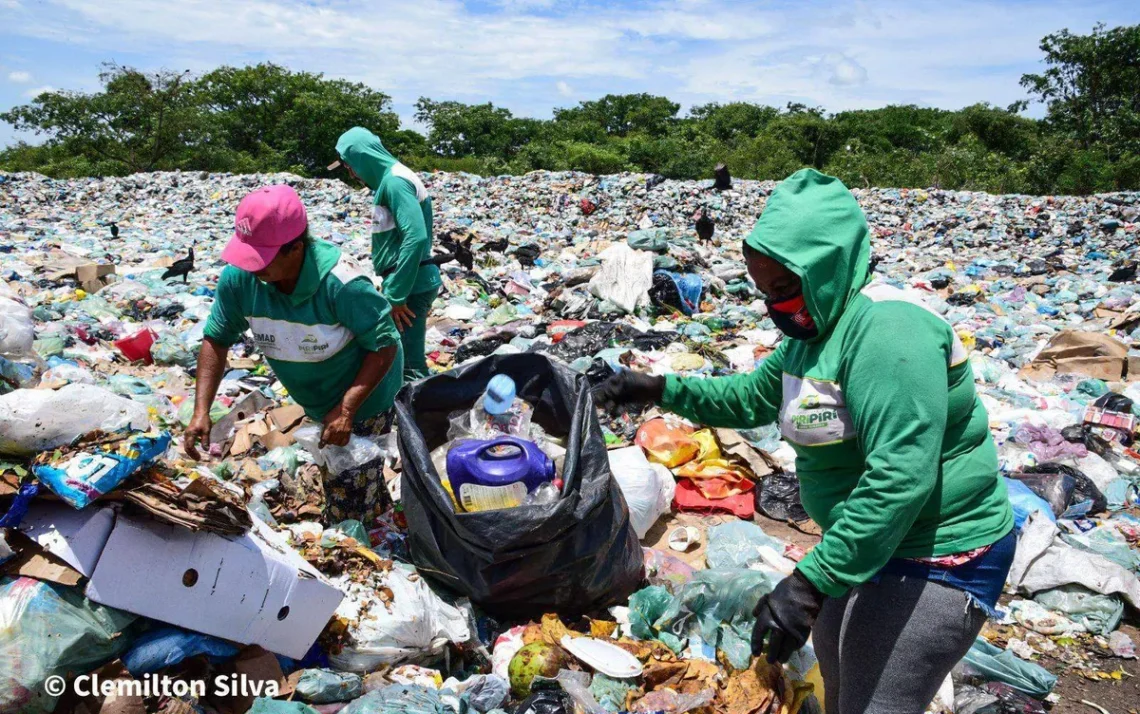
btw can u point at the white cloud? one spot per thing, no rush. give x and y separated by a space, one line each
37 91
19 77
848 73
535 53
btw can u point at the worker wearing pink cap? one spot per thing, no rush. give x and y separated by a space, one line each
321 325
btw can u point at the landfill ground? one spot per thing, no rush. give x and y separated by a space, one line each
598 273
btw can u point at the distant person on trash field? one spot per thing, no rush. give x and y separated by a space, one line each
894 455
401 239
319 322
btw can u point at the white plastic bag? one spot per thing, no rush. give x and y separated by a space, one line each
337 459
416 624
648 488
17 329
34 420
624 278
1043 562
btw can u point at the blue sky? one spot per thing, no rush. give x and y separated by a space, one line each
534 55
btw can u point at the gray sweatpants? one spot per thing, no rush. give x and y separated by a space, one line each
886 647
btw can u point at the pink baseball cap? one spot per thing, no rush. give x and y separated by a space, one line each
266 219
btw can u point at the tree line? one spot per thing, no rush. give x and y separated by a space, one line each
266 118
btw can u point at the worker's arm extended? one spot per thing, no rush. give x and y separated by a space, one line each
743 401
211 367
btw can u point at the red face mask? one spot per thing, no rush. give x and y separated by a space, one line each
792 317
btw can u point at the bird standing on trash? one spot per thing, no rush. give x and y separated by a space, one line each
401 239
705 226
722 180
181 268
114 230
875 394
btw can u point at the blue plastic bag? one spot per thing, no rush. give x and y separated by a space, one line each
689 287
1024 502
167 646
89 474
1003 666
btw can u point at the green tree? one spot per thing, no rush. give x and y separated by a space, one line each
1092 87
736 120
457 129
624 114
289 120
139 122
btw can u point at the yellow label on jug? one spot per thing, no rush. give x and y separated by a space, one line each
491 498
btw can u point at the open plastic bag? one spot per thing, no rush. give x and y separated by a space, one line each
399 699
1025 502
36 420
47 630
667 443
355 488
648 488
738 544
414 625
577 554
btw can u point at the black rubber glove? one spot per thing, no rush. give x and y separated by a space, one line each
784 617
629 387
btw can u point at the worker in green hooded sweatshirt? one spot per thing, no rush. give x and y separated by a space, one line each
401 239
874 392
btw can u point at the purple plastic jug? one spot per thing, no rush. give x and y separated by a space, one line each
498 473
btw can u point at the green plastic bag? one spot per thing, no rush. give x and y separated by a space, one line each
1100 614
997 664
645 607
264 705
47 630
654 239
324 686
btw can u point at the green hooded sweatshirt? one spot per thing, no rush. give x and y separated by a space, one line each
401 216
314 338
893 448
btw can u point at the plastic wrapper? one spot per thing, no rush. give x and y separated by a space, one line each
323 686
39 419
97 470
577 685
48 630
355 487
738 544
667 443
1026 502
648 488
574 555
1055 489
485 692
667 700
666 570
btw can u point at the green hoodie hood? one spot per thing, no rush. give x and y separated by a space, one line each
815 228
365 154
320 259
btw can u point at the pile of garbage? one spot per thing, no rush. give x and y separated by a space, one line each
531 554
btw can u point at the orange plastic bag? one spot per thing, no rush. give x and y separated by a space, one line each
667 444
717 478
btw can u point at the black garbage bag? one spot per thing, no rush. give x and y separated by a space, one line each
1082 434
481 347
589 340
1114 402
546 701
574 556
1084 490
779 498
1056 489
598 372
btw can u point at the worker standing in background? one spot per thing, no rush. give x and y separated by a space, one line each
894 455
401 239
